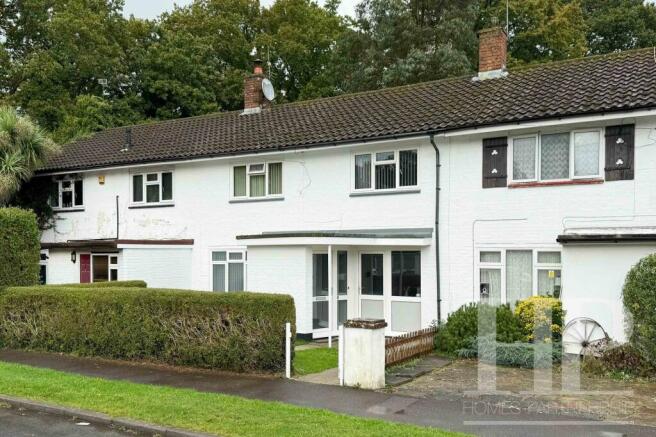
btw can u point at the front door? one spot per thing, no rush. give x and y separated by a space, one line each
320 299
85 268
372 303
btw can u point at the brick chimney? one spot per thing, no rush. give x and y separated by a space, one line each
254 99
492 53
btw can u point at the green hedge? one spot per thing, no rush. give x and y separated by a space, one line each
114 284
639 298
527 355
19 247
241 332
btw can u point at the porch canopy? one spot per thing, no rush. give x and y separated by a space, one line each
415 237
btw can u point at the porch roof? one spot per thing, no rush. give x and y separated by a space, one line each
344 237
111 243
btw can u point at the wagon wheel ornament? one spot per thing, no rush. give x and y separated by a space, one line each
584 336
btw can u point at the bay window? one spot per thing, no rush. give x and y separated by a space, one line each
556 156
228 270
67 193
257 180
152 188
388 170
510 275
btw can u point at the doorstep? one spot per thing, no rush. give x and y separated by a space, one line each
404 373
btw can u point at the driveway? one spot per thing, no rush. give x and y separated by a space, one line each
18 423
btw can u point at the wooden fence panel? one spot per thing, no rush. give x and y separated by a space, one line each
409 345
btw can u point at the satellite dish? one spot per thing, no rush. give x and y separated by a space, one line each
267 89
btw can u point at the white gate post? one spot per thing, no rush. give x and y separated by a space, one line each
364 343
288 350
340 359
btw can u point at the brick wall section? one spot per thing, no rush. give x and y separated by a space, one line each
253 96
493 48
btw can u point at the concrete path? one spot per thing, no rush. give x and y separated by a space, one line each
471 415
15 423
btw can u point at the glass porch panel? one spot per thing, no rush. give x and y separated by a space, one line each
218 277
320 314
342 272
320 274
406 316
235 277
342 308
372 309
372 274
100 269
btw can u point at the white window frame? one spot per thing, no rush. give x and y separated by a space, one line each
478 266
145 183
538 156
110 266
372 170
228 251
250 173
61 190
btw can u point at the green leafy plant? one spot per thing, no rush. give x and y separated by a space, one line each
526 355
231 331
541 318
19 247
462 326
640 302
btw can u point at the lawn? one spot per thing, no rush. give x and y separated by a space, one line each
189 409
315 360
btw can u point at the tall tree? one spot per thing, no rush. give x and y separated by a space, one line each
23 148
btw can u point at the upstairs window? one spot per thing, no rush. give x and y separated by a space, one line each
66 194
152 188
257 180
387 170
556 157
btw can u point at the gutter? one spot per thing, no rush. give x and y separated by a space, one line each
437 228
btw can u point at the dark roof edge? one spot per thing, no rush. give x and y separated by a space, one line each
606 238
339 142
113 243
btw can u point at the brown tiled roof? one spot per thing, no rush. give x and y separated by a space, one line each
617 82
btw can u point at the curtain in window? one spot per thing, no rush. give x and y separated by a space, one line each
385 176
408 168
236 277
586 153
258 187
519 275
491 257
549 283
218 277
137 188
239 181
492 277
554 156
275 178
167 186
524 158
549 257
362 171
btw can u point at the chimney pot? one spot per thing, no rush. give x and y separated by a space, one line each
257 67
492 52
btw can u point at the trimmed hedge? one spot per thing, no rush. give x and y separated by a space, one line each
114 284
241 332
639 297
527 355
19 247
462 326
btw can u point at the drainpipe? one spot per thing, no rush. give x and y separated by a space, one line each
117 221
437 227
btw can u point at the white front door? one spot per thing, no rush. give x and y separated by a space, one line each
320 294
371 285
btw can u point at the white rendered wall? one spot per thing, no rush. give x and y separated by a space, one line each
159 267
60 269
593 277
474 218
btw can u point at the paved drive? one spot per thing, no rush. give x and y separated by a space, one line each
15 423
465 415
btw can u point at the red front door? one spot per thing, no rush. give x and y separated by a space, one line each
85 268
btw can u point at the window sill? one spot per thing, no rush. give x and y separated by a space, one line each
154 205
594 181
256 199
76 209
384 192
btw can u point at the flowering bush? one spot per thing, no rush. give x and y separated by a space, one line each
541 318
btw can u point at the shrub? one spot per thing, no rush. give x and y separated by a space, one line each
19 247
541 318
462 326
527 355
230 331
620 360
113 284
639 299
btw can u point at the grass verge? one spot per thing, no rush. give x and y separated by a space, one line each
315 360
189 409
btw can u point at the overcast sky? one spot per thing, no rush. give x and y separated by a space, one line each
152 8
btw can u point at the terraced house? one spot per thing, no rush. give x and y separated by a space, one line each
403 203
